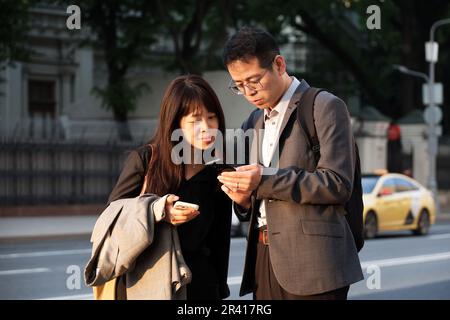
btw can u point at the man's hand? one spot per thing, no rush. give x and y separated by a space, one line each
242 198
240 184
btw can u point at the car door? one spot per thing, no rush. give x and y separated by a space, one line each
387 204
410 199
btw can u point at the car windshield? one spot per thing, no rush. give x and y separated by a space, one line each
368 183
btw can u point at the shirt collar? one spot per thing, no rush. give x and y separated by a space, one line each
282 105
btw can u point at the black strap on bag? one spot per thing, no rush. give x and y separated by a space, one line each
355 206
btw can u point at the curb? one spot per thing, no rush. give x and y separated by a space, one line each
37 211
31 228
49 237
443 218
85 233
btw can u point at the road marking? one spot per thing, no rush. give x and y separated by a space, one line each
238 241
74 297
407 260
44 253
439 236
236 280
23 271
231 281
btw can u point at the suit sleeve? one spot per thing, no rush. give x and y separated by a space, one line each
332 181
241 213
129 184
131 178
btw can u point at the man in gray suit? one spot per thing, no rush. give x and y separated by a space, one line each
300 245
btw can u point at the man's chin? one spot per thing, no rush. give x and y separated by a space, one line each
260 106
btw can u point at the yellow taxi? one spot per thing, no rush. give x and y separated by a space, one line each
394 202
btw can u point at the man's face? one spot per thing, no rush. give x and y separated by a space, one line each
267 83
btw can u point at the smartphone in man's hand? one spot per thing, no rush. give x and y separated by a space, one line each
220 167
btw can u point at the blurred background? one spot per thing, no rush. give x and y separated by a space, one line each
81 85
72 100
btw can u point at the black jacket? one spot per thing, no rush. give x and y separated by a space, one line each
205 240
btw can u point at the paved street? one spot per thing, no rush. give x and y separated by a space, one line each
401 265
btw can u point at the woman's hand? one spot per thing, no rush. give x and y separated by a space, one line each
177 216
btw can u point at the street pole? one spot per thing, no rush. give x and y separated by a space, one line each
410 72
432 127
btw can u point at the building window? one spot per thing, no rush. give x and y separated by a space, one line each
41 97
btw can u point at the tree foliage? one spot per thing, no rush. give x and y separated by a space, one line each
356 59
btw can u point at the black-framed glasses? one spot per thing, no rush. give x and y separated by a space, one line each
252 85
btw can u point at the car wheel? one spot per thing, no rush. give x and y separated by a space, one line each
370 226
423 225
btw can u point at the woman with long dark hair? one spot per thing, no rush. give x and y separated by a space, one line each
191 106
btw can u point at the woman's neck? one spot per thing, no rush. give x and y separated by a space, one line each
191 170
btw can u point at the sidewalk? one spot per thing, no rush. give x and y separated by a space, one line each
46 227
27 228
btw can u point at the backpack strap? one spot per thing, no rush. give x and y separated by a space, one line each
305 117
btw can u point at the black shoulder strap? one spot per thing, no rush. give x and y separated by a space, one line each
305 117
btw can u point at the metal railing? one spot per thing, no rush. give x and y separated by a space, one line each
57 172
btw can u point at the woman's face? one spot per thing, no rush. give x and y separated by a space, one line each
200 128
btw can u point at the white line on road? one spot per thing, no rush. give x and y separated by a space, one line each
407 260
44 253
231 281
23 271
236 280
235 241
74 297
439 236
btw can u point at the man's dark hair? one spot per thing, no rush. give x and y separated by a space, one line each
248 43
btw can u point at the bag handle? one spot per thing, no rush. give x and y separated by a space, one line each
144 185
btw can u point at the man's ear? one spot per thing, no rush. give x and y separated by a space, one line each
280 64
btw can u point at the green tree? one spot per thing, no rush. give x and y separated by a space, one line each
197 30
123 32
354 58
13 27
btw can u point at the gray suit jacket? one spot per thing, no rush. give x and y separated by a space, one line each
124 242
310 243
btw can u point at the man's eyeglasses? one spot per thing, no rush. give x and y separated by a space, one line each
252 85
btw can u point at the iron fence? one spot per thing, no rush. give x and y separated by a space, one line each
58 172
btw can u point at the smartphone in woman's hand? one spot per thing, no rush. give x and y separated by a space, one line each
185 205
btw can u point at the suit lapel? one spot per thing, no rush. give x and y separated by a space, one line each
292 107
293 103
256 143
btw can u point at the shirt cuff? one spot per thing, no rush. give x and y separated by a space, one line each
158 208
238 209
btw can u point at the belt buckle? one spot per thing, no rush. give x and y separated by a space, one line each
265 237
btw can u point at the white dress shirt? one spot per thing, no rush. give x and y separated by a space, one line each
272 125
